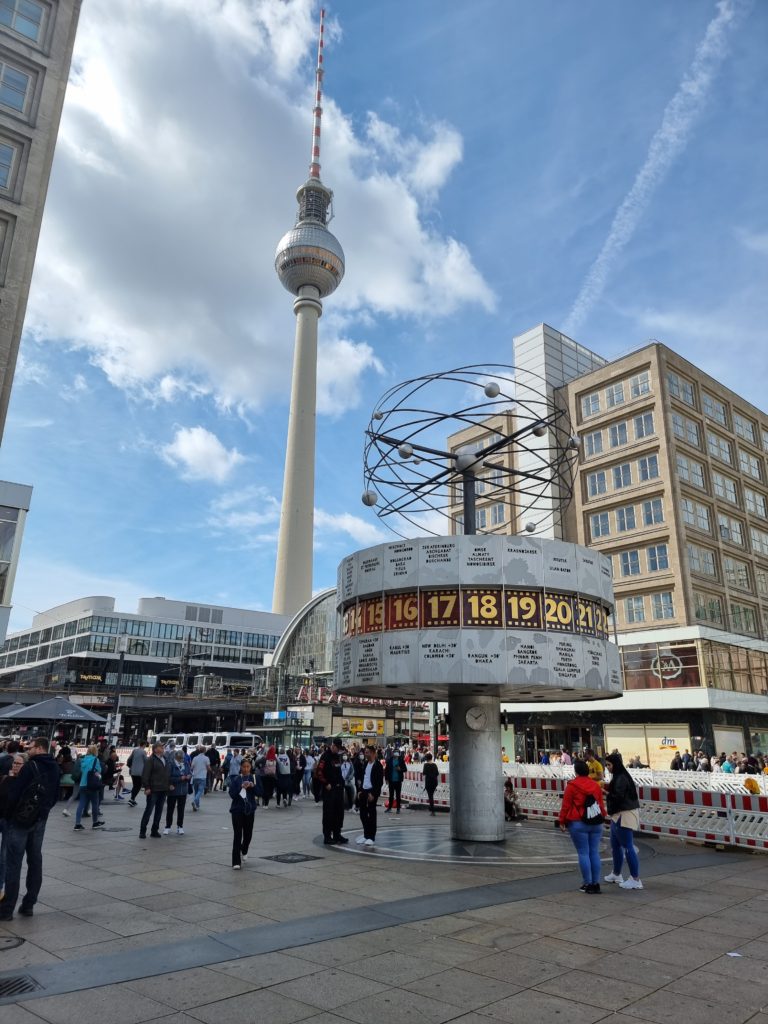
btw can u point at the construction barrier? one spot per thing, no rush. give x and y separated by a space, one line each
728 818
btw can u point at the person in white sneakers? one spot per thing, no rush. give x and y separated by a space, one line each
624 811
370 790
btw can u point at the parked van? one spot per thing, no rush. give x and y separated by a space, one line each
220 740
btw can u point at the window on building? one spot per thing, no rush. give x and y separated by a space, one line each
759 540
629 563
497 514
7 157
663 605
191 613
459 523
719 448
756 503
593 443
745 428
680 388
104 624
690 471
686 429
165 649
15 87
708 608
102 643
714 409
599 525
625 518
658 558
226 654
764 434
496 478
590 404
653 512
743 618
731 530
634 609
644 425
228 636
135 627
167 631
614 395
750 465
24 17
649 467
725 488
479 485
618 434
736 573
596 484
695 514
701 560
640 384
761 581
481 518
622 476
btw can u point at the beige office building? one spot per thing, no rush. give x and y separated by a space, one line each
36 40
672 483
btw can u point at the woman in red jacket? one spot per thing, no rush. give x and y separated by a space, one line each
586 838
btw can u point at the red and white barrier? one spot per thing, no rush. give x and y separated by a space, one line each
715 816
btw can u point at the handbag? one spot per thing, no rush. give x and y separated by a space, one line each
270 767
93 778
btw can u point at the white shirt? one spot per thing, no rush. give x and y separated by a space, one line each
367 784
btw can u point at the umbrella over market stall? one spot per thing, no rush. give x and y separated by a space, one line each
10 709
55 710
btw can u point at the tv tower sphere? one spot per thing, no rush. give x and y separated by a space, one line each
309 254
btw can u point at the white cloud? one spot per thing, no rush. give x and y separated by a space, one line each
755 241
340 365
424 165
174 179
667 144
247 508
360 530
200 455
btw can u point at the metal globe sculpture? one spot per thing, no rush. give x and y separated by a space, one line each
415 484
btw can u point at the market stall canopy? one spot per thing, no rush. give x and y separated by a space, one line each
10 709
55 709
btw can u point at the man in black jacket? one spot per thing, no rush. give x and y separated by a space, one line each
331 780
40 770
156 780
370 790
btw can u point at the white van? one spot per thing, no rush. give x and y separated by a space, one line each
221 740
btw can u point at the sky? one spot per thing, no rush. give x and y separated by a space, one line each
597 166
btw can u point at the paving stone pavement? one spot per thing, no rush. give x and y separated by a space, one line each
131 931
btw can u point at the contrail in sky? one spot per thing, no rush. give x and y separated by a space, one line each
667 144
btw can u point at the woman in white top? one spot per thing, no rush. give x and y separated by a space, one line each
309 767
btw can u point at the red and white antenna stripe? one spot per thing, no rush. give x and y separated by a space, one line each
314 166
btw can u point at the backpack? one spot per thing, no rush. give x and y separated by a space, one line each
31 802
591 815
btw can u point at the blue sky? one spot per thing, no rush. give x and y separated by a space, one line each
599 166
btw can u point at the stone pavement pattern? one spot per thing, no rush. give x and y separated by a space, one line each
505 943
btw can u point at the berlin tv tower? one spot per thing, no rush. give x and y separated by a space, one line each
310 263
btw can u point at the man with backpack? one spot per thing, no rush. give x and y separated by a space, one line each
33 791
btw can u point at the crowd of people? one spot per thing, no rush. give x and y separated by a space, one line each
34 777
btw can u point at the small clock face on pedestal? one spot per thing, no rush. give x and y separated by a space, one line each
476 719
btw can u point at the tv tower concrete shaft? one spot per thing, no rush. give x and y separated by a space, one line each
293 571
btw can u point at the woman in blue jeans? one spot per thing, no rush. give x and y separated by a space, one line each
90 763
624 810
581 792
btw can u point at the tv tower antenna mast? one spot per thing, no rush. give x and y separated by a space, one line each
310 263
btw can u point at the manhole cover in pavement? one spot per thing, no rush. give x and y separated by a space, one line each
11 942
291 858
